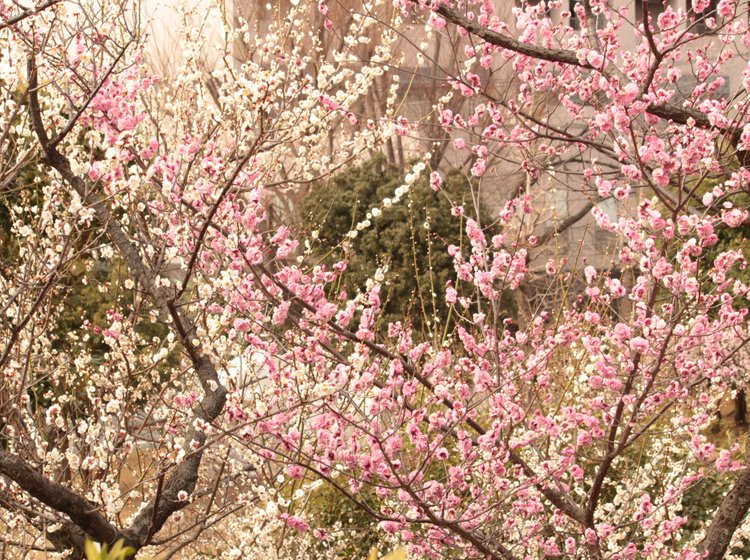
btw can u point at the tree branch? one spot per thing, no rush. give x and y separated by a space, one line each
495 38
727 518
668 112
568 222
80 510
184 477
27 13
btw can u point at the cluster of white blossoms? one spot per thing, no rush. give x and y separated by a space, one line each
398 194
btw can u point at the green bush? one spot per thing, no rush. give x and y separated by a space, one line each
410 238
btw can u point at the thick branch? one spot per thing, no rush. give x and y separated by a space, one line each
65 536
80 510
727 518
495 38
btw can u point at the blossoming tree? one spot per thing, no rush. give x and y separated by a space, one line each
228 377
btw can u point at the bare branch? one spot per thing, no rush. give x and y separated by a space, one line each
568 222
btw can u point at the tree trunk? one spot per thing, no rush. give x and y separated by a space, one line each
728 517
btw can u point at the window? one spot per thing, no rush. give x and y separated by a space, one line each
575 23
700 19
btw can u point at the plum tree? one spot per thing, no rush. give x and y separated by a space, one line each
583 433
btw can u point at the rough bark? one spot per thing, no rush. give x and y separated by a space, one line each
727 518
740 408
84 513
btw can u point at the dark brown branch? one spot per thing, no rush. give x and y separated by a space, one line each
495 38
560 500
27 13
67 536
568 222
727 518
81 511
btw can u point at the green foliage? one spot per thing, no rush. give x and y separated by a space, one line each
410 238
733 239
700 501
93 288
330 508
119 551
24 191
